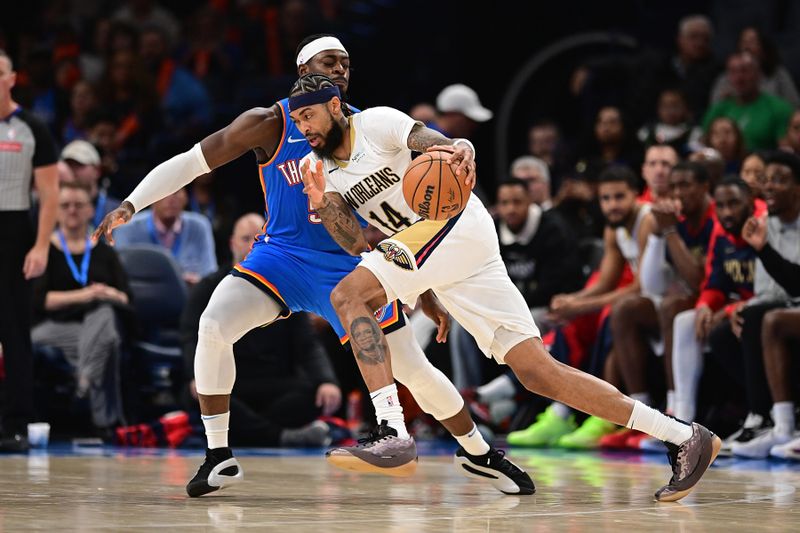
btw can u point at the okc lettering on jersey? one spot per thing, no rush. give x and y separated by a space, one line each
291 171
364 190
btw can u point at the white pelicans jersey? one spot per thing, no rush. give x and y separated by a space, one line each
371 181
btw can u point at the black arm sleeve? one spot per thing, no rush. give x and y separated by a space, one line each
783 271
309 352
45 152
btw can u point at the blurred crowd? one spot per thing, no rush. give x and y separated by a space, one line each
660 252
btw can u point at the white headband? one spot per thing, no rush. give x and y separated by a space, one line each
318 45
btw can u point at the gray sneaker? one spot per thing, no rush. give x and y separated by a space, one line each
382 452
689 462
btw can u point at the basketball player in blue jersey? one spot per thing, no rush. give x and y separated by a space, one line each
293 266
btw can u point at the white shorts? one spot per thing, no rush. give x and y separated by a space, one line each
460 260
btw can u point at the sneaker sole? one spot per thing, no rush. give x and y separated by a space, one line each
354 464
716 444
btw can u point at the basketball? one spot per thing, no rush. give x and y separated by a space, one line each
432 189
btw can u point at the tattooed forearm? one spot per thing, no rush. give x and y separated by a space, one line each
421 138
341 223
368 341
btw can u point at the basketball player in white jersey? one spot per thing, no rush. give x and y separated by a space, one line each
359 163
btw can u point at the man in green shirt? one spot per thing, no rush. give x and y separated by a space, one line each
762 117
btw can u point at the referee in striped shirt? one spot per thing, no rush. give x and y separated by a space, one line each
27 151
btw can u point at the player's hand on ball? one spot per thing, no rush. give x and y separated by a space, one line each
313 182
115 218
463 157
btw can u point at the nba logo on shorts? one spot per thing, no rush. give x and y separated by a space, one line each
395 254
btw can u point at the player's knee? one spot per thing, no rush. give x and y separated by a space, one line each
342 295
624 313
773 325
209 332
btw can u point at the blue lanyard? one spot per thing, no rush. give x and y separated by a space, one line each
81 277
176 244
100 209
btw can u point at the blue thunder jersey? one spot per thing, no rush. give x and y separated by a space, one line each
294 259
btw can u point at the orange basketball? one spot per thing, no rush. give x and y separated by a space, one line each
432 189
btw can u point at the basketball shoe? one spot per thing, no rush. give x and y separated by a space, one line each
754 426
382 452
493 466
689 462
218 471
790 450
587 437
548 428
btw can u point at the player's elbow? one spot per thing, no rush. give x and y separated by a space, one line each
358 247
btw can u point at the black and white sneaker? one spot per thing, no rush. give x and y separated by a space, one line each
754 426
494 467
218 471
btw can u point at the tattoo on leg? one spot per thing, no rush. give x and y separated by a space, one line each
367 340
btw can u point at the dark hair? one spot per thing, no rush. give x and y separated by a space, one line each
308 83
544 123
737 132
770 56
782 157
699 172
513 182
616 173
733 180
309 39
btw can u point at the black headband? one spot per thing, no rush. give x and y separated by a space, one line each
317 97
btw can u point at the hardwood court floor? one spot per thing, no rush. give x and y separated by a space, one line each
116 490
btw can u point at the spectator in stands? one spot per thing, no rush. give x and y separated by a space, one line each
84 161
674 125
725 137
791 141
82 103
76 305
142 14
545 142
626 232
658 162
762 117
752 172
730 268
206 198
536 175
776 240
610 144
775 79
285 379
711 159
424 112
187 236
460 111
671 272
184 102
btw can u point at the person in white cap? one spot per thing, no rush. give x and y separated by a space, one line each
460 111
292 266
84 160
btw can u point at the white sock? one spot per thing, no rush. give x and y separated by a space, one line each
216 429
500 388
658 425
563 411
671 402
783 416
473 442
387 407
643 397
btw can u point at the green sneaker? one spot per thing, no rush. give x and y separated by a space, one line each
587 437
547 429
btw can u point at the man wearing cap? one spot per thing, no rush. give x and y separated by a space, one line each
460 111
84 160
293 266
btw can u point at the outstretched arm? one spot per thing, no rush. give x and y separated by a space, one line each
252 130
336 214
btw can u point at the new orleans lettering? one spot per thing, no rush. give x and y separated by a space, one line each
366 189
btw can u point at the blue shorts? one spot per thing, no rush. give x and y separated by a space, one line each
300 279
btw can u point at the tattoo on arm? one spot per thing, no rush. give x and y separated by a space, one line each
368 341
421 138
341 223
